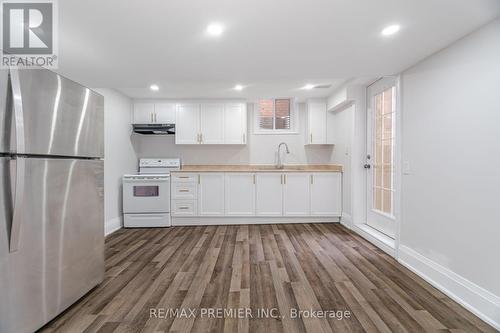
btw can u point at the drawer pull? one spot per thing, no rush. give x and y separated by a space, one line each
183 190
184 177
183 207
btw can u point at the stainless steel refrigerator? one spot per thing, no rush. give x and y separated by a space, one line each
51 196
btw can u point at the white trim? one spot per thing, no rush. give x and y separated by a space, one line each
474 298
346 220
383 242
224 220
112 225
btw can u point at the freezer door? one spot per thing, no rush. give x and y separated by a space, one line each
5 111
60 255
55 116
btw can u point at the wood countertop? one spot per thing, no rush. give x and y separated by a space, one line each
261 168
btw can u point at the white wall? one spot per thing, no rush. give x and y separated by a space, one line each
260 149
119 154
451 140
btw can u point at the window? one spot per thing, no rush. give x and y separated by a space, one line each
274 115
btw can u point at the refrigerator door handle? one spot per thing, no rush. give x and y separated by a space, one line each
17 218
18 110
20 162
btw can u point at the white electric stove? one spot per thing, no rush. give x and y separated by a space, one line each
146 196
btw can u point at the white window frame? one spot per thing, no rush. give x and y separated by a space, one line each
293 119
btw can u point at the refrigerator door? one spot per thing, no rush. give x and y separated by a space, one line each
60 255
55 116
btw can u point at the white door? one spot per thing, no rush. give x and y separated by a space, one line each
240 194
381 121
269 194
212 123
211 194
143 113
187 123
326 194
317 123
296 194
235 123
165 113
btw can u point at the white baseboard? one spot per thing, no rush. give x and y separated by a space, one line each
383 242
346 220
186 221
112 225
474 298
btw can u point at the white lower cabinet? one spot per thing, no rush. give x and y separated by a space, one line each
240 194
296 200
326 194
245 194
211 194
269 194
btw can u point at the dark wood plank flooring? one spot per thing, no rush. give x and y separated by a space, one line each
279 268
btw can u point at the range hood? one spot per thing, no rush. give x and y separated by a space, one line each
154 129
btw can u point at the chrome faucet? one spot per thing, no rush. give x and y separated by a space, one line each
279 164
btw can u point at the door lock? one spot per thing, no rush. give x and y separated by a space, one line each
367 166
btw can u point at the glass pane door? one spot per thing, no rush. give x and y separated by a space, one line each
381 129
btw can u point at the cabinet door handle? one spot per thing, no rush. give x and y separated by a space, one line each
155 118
284 179
199 179
254 179
312 179
201 137
281 179
311 138
151 116
244 137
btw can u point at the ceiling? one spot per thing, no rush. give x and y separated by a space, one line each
272 47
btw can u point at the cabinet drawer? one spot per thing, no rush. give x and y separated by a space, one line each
186 191
184 208
184 178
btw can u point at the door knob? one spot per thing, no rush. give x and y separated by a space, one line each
367 166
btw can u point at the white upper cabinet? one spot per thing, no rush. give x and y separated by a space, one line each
143 113
211 194
187 124
326 194
316 123
240 194
235 123
269 194
165 113
296 194
212 123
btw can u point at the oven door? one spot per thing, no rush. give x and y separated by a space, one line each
143 195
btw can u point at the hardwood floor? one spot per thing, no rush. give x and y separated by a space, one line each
282 268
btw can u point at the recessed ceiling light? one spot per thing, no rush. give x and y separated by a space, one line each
215 29
390 30
308 86
154 87
238 87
